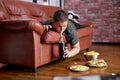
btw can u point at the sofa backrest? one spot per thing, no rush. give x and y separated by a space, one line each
16 9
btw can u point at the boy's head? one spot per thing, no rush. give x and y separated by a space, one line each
60 20
60 16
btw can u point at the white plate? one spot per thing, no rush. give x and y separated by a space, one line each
95 66
79 68
96 63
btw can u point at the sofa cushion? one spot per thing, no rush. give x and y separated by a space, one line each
2 15
14 8
3 12
18 9
39 12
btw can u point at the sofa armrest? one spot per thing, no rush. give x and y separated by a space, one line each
22 25
51 37
87 30
87 24
84 31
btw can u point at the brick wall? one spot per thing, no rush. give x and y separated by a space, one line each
105 15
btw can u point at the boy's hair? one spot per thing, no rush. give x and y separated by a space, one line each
60 16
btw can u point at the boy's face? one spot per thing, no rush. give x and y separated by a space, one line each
60 26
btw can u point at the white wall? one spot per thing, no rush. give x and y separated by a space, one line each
28 0
40 1
49 2
54 3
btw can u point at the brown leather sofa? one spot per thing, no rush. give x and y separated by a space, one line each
21 44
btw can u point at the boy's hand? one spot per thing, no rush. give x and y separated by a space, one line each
47 27
66 52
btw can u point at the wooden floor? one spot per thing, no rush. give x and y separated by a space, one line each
61 68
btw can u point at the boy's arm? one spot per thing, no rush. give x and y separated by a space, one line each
75 50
